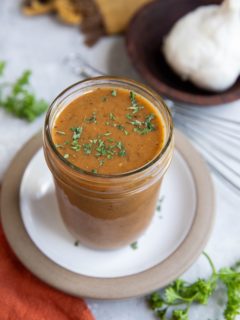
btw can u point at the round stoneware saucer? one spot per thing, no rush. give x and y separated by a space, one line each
176 237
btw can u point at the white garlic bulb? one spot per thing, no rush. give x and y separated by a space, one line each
204 46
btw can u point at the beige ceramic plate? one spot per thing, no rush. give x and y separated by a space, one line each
50 254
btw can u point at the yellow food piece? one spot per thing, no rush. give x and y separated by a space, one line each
36 7
67 12
117 14
65 9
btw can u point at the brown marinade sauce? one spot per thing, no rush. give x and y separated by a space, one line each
109 131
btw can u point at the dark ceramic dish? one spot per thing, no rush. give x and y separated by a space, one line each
144 41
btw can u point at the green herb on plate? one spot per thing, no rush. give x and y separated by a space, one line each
159 204
134 245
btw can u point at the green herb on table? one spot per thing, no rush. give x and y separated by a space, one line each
2 67
76 243
18 99
184 294
114 93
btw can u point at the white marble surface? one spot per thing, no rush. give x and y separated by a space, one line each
42 45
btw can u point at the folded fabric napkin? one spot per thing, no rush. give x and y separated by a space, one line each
24 297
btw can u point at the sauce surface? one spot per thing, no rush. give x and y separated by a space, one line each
109 131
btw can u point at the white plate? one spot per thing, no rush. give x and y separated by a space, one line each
168 229
174 240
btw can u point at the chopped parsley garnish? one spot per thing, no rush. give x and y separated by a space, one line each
136 123
75 145
92 118
87 148
134 245
144 127
59 145
77 132
17 98
104 99
101 162
114 93
112 116
66 156
61 132
184 294
107 133
135 107
129 116
121 128
122 151
94 171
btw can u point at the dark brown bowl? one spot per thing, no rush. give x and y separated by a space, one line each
144 42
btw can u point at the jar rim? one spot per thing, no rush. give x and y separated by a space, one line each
126 81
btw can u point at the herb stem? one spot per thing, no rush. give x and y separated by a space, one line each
210 262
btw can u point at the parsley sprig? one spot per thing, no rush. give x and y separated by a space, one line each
135 107
18 99
182 293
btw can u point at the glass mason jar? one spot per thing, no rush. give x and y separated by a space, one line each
107 211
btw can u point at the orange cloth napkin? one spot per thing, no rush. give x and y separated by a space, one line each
24 297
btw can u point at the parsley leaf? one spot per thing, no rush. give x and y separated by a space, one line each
184 294
18 99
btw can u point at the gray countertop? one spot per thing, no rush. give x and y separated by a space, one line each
44 46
